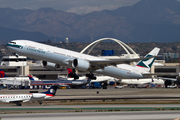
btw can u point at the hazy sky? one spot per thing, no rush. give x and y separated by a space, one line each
75 6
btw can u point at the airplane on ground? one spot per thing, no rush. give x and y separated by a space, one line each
84 62
61 82
163 82
13 81
111 80
18 98
142 81
3 76
102 79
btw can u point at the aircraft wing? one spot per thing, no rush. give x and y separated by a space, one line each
104 63
158 74
161 74
14 101
173 79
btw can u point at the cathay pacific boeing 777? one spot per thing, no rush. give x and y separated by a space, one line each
84 62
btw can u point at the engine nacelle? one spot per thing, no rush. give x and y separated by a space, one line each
50 65
80 64
38 95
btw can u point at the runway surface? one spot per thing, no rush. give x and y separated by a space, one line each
118 96
130 115
104 110
106 93
78 107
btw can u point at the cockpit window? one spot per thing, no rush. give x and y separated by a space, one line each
13 42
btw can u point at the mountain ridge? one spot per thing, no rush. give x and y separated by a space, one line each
158 20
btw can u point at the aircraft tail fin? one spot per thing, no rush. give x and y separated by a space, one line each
51 91
2 74
147 63
72 74
31 78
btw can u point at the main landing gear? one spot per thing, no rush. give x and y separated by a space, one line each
91 76
17 55
40 102
72 73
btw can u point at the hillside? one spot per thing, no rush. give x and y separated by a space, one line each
147 20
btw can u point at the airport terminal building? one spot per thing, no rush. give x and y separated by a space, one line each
13 66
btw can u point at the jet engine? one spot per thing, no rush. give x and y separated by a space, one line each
167 82
80 64
50 65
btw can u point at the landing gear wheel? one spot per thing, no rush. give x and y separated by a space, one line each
73 74
167 82
18 104
91 76
40 103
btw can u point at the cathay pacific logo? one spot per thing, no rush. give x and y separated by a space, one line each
147 63
35 50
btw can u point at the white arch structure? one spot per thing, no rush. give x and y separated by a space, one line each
122 44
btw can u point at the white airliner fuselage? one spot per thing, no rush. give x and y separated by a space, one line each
79 61
20 78
23 97
143 81
18 98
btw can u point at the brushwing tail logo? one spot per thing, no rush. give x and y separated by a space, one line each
52 91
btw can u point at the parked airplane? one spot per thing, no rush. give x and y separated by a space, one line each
83 62
3 76
143 81
102 79
111 80
62 82
18 98
10 82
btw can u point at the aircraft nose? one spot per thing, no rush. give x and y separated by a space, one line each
13 45
8 44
